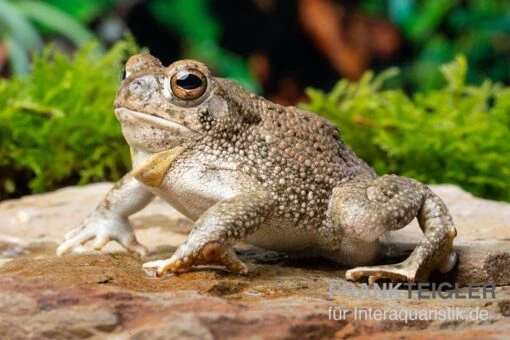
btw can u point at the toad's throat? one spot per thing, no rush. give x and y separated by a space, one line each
123 114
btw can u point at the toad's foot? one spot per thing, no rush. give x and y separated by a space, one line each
408 270
109 222
403 271
210 254
102 231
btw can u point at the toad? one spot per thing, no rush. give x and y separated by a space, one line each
245 169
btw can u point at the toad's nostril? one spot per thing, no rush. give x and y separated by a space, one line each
135 85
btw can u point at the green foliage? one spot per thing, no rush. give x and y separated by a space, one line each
83 10
438 30
21 22
58 125
456 134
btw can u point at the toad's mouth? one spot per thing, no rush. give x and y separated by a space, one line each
126 115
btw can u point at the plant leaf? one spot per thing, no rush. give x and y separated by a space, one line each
18 27
57 20
18 58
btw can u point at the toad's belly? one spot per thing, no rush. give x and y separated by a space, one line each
281 235
192 189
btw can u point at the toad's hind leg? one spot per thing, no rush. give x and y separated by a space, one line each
366 208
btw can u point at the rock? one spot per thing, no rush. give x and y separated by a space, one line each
60 323
484 262
17 304
108 294
181 326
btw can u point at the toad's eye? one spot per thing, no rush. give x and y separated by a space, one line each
123 74
188 84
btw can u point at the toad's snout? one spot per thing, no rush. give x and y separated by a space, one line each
150 133
137 91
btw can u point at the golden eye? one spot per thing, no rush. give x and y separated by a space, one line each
188 84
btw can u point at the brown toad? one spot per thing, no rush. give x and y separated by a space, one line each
246 169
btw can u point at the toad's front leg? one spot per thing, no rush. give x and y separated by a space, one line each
216 231
110 219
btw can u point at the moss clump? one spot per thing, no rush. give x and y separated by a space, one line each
57 123
456 134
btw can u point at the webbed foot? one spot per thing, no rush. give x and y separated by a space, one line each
401 271
102 231
211 253
408 270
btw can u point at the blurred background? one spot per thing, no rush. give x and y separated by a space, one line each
418 88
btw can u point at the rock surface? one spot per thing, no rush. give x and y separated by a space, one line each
108 294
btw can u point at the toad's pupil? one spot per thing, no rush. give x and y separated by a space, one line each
189 81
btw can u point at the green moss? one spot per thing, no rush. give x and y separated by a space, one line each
456 134
58 125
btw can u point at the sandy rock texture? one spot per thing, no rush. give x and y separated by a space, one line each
93 295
